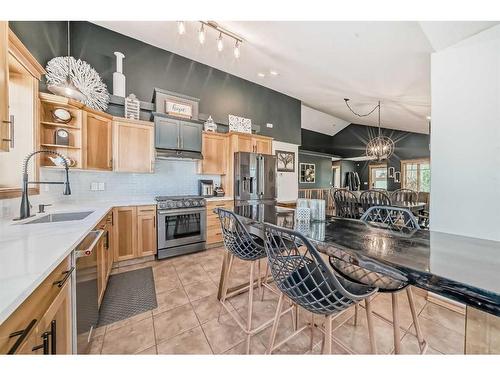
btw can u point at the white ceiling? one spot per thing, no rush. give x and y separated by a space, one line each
321 63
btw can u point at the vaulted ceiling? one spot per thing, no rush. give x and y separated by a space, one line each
321 63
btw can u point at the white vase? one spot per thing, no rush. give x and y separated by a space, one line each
118 76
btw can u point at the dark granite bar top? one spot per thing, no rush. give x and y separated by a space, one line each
462 268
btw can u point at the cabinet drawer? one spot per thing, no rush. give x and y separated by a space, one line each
213 237
35 306
146 210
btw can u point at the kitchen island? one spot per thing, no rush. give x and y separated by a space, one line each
461 268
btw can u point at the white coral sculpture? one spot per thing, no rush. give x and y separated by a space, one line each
83 76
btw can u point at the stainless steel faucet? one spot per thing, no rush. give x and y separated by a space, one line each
24 211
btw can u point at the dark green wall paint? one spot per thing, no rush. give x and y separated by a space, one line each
146 67
351 142
323 171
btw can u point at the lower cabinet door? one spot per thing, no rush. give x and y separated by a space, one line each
146 235
125 233
55 326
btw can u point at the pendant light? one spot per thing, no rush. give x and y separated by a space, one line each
237 50
379 147
201 34
67 88
220 43
181 28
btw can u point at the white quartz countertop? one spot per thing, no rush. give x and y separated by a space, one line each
29 253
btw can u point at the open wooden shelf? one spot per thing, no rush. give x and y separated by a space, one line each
59 146
59 125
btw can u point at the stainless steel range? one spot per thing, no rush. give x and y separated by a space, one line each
181 225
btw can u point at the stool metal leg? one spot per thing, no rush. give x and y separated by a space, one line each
356 308
250 305
395 320
328 335
265 280
274 330
369 321
421 341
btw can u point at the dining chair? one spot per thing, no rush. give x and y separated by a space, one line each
404 196
373 197
394 219
249 248
302 275
346 204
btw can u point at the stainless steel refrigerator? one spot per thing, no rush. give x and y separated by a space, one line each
254 178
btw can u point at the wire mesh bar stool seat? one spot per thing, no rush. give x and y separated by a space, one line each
394 219
374 197
346 204
243 245
302 275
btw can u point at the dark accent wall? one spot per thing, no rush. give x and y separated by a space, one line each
147 67
323 171
351 142
44 40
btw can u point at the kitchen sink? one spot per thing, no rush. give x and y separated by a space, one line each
63 216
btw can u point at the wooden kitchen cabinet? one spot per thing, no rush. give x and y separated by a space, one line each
98 150
125 232
57 322
4 87
133 147
214 149
263 145
214 231
146 231
134 231
50 302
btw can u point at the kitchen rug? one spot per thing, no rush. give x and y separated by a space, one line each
128 294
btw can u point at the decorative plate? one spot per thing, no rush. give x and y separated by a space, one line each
61 115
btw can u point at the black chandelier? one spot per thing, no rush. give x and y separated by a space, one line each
379 147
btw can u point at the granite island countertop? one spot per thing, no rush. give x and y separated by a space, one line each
29 253
464 269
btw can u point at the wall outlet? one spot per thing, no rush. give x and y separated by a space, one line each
101 186
269 125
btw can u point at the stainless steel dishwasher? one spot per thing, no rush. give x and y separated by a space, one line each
87 310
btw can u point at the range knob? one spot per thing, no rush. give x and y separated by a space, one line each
179 204
201 202
187 203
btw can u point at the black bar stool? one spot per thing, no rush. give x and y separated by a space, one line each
245 246
304 277
398 220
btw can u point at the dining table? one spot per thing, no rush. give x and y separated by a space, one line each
460 268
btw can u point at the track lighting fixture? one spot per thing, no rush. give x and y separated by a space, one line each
223 33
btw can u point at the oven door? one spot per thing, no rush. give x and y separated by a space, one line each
181 227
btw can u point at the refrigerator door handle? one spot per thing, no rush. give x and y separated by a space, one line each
260 172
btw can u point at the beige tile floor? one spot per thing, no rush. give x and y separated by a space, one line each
186 319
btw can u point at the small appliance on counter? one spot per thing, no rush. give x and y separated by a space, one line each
219 191
206 188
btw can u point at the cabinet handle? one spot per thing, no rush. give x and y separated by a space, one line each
154 222
44 344
66 274
53 337
11 131
22 335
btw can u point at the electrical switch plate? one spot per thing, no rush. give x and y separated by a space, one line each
269 125
94 186
101 186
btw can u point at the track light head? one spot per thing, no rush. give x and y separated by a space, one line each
220 43
237 50
181 27
201 34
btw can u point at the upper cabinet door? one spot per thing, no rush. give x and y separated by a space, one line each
245 144
4 88
214 154
167 133
98 138
190 138
263 146
133 147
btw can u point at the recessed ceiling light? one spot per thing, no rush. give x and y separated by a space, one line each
262 75
273 72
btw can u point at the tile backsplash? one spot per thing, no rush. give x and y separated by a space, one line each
171 177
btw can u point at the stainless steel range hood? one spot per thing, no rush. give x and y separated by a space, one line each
164 154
